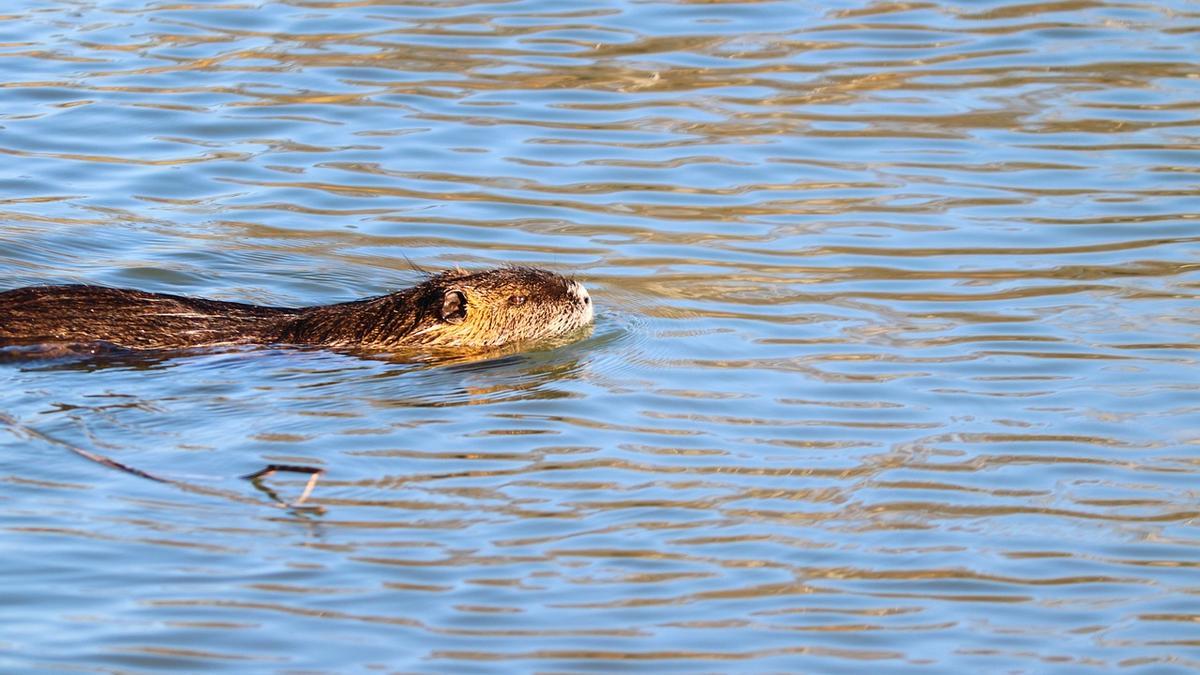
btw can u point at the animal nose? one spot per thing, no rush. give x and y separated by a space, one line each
583 298
581 293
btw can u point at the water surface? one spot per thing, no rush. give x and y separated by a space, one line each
895 366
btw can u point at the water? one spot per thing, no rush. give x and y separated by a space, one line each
895 366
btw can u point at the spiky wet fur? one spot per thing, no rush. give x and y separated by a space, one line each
407 319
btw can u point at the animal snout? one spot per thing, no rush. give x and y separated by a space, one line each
583 299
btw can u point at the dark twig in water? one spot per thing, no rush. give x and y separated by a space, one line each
29 432
313 472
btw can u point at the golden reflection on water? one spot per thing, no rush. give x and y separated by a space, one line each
894 365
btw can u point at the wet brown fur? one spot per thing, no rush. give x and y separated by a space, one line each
451 310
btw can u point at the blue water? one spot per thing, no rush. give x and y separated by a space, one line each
895 364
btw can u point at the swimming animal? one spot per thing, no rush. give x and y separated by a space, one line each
455 310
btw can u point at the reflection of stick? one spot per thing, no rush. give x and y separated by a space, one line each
86 454
315 473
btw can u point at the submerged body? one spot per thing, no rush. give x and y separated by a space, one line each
454 311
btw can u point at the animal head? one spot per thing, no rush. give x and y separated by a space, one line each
480 310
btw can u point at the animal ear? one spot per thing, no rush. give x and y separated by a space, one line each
454 306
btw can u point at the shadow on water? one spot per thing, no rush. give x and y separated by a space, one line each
529 370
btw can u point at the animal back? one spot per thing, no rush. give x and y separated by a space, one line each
133 319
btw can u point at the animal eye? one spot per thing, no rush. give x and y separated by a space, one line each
516 300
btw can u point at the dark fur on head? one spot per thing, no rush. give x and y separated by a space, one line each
454 310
